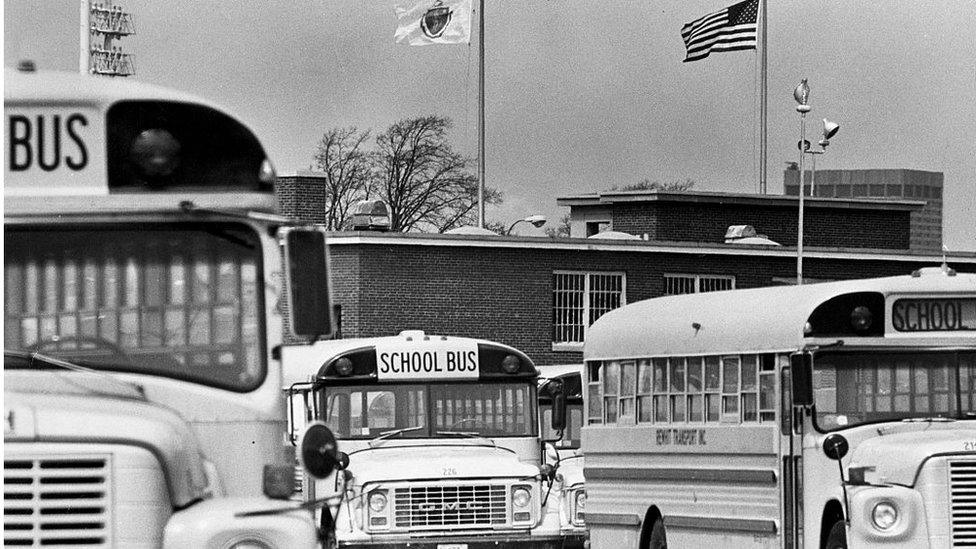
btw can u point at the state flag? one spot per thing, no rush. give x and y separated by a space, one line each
425 22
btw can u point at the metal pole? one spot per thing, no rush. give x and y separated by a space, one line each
84 36
763 103
813 173
481 114
799 225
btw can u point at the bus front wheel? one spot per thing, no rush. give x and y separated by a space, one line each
837 538
656 538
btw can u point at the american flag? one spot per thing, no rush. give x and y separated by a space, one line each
732 28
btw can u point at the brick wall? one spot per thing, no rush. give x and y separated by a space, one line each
301 197
823 227
505 294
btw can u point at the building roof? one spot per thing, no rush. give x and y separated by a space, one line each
748 199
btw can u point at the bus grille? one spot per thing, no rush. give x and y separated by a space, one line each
962 479
459 506
57 502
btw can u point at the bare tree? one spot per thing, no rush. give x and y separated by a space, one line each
648 185
342 157
561 230
423 179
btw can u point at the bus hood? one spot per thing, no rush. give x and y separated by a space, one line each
436 462
61 417
896 458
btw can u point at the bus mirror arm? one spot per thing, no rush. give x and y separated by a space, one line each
835 446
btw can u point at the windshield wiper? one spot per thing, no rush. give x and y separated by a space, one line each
468 434
387 434
53 361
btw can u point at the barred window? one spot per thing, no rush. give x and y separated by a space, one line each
579 299
675 284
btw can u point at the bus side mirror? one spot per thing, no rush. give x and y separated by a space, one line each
320 451
801 374
308 282
558 396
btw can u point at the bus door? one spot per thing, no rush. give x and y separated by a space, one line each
791 460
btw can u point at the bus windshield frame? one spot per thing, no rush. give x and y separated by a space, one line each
183 300
862 387
458 409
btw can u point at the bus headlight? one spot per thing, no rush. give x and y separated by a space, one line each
579 507
521 497
884 515
377 501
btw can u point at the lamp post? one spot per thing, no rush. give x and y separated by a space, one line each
801 94
829 130
535 220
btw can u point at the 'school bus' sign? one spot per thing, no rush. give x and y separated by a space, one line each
934 315
430 360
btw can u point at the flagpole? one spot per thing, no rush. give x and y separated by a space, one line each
481 114
763 106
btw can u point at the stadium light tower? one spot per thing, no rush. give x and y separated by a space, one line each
102 26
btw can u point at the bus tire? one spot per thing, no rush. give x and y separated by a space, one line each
837 538
654 536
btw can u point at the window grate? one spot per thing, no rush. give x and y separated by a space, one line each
675 284
579 299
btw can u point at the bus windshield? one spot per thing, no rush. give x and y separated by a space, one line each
442 410
866 387
176 300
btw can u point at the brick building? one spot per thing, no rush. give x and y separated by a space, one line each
892 184
540 295
684 216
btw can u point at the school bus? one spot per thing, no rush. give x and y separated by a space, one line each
142 274
839 414
441 438
567 454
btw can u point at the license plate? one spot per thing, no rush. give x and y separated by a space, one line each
452 546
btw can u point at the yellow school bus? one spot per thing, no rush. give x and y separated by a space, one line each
840 414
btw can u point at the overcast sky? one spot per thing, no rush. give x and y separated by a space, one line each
581 95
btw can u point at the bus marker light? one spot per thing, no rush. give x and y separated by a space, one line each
861 318
156 153
510 364
343 366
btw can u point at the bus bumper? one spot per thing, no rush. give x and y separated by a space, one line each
463 542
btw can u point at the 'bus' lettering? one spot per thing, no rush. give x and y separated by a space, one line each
20 134
83 161
44 143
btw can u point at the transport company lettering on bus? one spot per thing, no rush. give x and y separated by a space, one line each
142 269
442 439
827 415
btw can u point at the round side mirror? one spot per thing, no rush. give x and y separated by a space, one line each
320 451
835 446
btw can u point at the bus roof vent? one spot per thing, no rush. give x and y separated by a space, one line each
411 335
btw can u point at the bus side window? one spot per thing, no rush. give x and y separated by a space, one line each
595 397
785 398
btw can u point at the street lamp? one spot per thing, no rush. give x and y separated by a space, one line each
535 220
829 130
801 94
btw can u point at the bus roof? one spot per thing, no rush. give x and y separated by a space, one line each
57 87
753 320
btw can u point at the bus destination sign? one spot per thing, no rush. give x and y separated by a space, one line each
427 360
934 315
